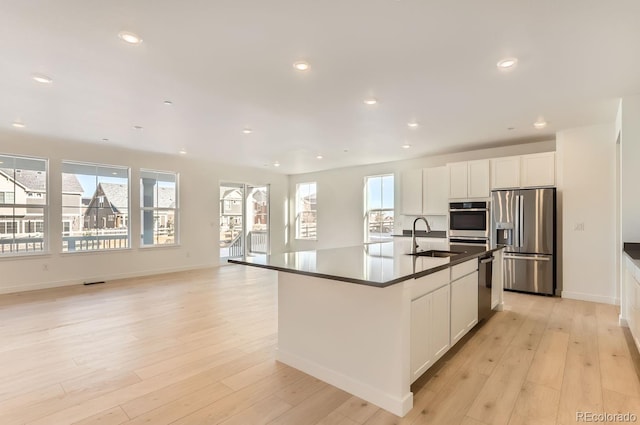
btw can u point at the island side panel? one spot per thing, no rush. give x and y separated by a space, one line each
355 337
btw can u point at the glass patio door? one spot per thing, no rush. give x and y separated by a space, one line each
244 220
257 219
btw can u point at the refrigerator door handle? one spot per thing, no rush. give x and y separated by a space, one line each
521 221
516 223
529 258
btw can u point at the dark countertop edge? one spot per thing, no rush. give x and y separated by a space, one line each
632 249
321 275
435 234
463 258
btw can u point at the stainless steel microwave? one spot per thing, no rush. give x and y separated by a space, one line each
469 219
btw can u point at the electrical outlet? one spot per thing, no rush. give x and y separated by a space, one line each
579 227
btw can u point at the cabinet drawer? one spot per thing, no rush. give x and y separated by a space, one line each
464 269
429 283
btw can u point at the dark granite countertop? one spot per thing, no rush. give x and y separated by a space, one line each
632 249
377 264
438 234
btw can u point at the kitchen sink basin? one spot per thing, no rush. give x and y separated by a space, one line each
437 254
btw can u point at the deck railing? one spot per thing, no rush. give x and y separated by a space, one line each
258 241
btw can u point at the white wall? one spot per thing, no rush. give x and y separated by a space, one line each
630 169
340 194
628 123
586 162
199 200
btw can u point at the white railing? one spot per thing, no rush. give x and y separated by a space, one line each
258 241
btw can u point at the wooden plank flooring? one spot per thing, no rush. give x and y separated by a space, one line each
198 348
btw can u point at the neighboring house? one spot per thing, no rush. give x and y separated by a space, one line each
28 187
108 208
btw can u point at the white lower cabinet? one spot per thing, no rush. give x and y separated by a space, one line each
444 307
429 330
440 313
464 305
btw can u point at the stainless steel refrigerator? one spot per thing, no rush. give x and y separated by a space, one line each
524 222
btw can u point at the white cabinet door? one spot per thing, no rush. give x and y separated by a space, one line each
420 347
505 172
458 180
412 192
538 170
435 196
440 319
464 306
479 183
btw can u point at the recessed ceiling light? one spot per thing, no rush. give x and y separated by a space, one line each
114 173
406 146
182 151
247 130
370 101
17 124
138 127
168 102
276 164
413 124
540 123
507 63
319 157
129 37
301 65
42 79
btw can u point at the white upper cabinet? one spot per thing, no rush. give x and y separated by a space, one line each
469 179
435 191
538 170
533 170
458 177
505 172
412 192
425 191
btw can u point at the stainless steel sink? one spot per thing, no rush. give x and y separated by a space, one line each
437 254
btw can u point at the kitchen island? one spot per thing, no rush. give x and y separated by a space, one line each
371 319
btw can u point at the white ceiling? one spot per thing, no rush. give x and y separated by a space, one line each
227 65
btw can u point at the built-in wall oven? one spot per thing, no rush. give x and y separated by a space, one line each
469 223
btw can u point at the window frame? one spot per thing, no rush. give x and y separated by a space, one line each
17 225
126 219
176 211
368 211
298 211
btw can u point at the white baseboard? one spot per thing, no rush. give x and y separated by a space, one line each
590 297
622 321
397 406
106 278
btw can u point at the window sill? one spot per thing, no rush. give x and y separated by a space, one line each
95 251
160 246
306 239
23 256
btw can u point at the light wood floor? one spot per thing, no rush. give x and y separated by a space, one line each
198 348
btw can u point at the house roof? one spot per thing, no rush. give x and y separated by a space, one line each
117 194
166 197
36 181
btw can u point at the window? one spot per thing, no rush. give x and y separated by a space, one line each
306 211
90 194
379 202
159 207
23 204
